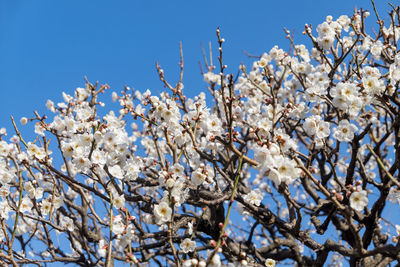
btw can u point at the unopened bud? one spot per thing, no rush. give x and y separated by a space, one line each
339 197
213 243
351 187
24 120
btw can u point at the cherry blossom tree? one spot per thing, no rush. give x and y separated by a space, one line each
293 161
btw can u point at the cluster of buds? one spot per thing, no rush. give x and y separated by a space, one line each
354 188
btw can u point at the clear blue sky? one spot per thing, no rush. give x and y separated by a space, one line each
47 47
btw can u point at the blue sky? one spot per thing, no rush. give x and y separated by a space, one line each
47 47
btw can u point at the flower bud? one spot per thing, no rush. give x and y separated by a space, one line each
23 120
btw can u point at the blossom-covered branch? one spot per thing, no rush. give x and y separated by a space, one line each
294 161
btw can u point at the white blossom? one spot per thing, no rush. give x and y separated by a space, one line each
345 131
67 223
254 197
118 225
162 212
359 200
187 245
270 263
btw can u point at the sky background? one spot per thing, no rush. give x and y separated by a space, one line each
47 47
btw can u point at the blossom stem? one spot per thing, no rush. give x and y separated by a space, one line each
109 249
20 189
232 198
18 132
380 163
170 231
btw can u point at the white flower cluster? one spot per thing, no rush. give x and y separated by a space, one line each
279 130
